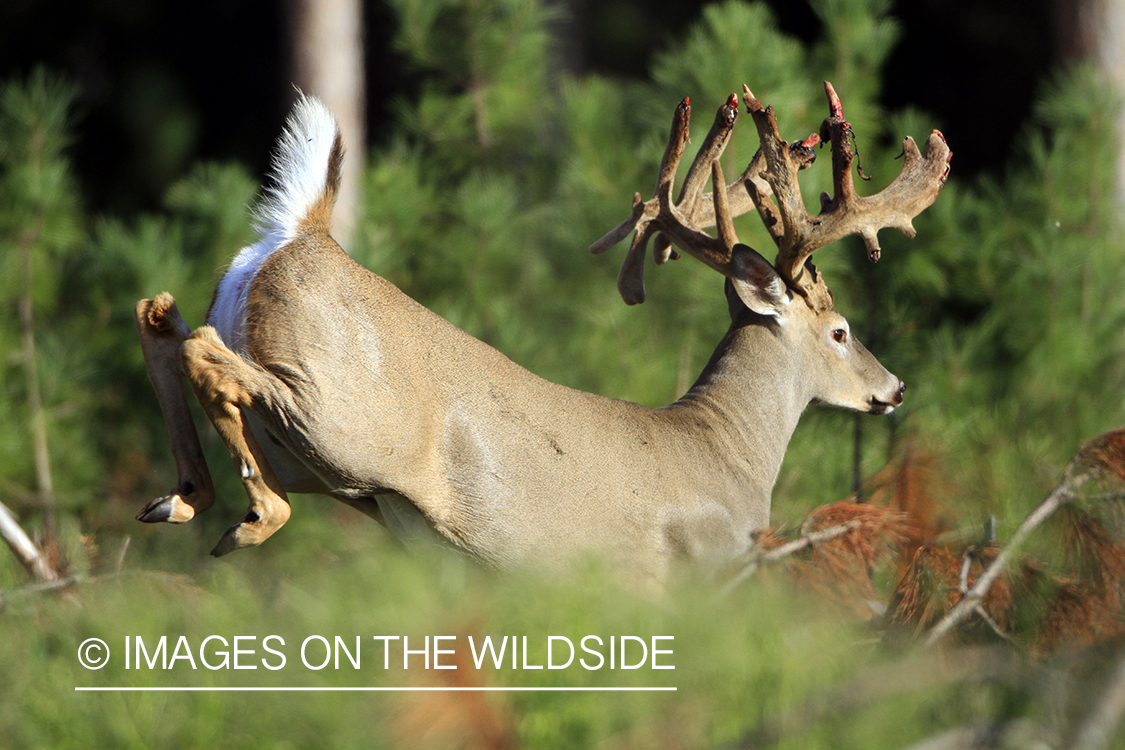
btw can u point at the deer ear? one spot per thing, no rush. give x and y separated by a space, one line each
756 283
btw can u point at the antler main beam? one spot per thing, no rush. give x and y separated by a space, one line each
770 185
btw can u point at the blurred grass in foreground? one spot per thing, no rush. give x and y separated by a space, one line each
769 665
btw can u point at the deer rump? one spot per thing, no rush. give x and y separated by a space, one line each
321 376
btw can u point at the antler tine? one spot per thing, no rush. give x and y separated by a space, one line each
630 280
711 251
690 205
646 211
677 139
676 222
724 222
845 212
780 172
756 178
713 146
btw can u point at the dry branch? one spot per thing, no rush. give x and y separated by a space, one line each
983 735
1102 456
847 536
970 601
26 551
757 556
180 582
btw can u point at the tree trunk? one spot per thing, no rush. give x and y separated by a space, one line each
328 62
37 415
1094 30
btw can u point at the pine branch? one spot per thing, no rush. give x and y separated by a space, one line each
972 598
757 556
917 673
1102 456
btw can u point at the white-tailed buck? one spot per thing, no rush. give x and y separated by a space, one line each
322 377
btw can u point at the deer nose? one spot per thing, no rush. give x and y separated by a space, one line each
900 393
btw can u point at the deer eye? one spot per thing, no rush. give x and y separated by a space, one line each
840 335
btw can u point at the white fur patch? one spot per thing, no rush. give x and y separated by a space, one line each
228 311
300 166
299 172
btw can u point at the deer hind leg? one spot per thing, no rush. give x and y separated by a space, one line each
162 332
225 384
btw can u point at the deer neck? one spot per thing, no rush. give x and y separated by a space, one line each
749 399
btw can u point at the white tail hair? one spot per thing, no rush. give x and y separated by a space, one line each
300 170
305 177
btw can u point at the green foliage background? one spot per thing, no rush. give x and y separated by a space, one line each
1003 315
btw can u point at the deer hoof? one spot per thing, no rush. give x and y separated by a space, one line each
250 531
233 539
167 509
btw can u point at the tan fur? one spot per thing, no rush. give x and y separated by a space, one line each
344 385
162 332
225 385
379 398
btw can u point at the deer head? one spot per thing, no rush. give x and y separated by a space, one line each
769 185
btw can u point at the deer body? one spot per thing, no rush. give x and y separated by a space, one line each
511 467
321 376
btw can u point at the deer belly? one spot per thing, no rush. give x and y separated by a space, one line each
294 474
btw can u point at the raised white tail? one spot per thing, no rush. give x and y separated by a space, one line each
305 178
305 173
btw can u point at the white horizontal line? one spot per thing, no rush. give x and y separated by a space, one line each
368 689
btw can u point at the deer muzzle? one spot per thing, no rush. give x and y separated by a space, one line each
878 406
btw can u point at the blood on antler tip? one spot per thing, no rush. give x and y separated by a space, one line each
811 141
684 110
